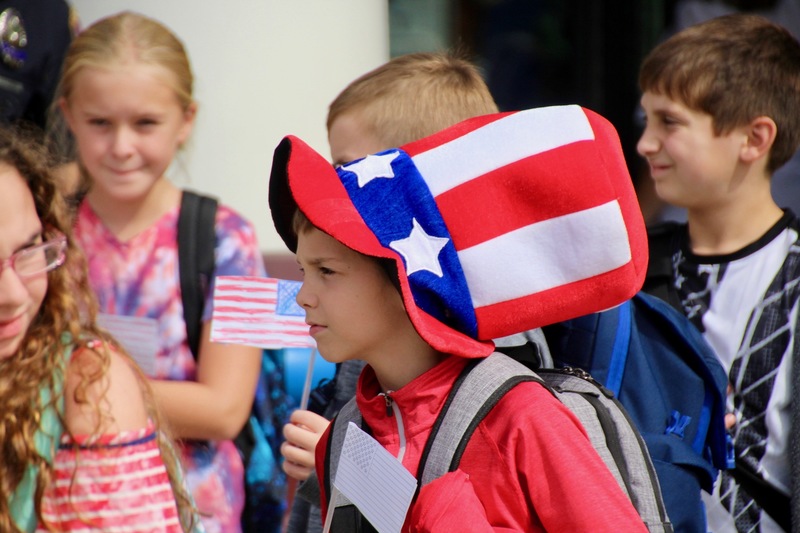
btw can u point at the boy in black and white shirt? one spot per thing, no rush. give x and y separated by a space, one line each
721 102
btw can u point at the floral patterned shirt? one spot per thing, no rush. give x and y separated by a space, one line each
140 278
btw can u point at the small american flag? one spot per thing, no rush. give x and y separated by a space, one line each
259 312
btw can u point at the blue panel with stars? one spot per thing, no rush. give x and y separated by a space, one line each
397 205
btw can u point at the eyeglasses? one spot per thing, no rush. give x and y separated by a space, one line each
37 259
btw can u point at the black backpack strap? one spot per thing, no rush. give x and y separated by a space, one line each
196 242
663 240
794 450
770 499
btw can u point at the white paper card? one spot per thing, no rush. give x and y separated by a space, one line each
138 335
374 480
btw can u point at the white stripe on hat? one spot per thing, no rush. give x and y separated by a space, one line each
498 144
539 253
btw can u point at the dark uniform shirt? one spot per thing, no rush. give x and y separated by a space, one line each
31 54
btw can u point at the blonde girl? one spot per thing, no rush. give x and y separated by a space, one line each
126 94
75 409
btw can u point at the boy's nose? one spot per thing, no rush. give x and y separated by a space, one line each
303 297
647 144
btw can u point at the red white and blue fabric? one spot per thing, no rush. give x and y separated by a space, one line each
499 224
111 483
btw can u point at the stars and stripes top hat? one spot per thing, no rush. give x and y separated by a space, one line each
499 224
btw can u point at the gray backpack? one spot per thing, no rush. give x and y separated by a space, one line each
476 391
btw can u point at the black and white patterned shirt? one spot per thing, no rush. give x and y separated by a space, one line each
746 305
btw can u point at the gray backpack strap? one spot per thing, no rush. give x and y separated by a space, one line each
480 390
474 394
346 517
610 429
348 413
615 438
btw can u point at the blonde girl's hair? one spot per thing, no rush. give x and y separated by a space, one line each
129 37
117 40
413 96
68 307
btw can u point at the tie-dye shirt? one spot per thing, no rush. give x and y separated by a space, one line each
140 278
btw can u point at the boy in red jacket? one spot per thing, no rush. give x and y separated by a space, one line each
414 258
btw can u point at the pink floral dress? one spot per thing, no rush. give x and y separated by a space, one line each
139 278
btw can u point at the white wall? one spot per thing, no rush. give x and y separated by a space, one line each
263 69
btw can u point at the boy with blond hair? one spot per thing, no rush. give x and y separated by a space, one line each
407 98
721 101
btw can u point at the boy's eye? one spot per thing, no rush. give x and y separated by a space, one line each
98 122
325 271
671 120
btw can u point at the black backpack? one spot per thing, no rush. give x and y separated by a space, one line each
258 442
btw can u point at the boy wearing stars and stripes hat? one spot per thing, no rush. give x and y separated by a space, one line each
405 99
414 258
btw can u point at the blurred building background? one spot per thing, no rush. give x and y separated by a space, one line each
267 68
548 52
545 52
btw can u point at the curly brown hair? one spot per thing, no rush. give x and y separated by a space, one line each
39 365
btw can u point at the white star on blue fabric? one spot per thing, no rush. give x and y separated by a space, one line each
372 167
420 250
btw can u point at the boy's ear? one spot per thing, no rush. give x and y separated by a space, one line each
761 134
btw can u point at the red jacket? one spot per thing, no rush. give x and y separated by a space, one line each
529 466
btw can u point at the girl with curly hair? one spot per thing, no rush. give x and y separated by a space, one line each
79 432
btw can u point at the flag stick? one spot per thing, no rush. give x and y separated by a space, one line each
309 375
291 485
331 507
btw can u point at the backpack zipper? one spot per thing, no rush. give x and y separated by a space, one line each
584 375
